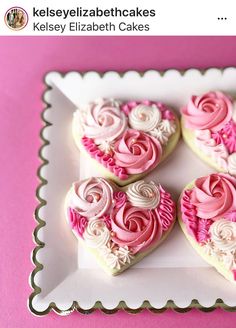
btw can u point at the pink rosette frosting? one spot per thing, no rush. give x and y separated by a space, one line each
104 121
92 197
209 111
137 152
214 196
135 227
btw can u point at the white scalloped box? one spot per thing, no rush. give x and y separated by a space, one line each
174 271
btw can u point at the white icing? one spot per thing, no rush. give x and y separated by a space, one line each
167 126
143 194
232 164
223 235
107 147
96 233
209 147
114 256
124 254
160 135
208 248
163 131
144 118
222 244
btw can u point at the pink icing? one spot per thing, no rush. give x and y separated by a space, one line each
78 222
165 111
107 220
209 111
213 196
234 273
227 136
104 121
135 227
197 228
105 159
231 216
92 197
203 230
120 198
217 151
165 209
137 152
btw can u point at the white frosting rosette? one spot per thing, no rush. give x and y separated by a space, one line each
223 235
96 233
104 121
232 164
143 194
163 131
144 118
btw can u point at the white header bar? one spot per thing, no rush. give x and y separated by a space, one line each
117 17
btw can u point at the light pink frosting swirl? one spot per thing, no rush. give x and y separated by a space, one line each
104 121
209 111
135 227
92 197
213 196
137 152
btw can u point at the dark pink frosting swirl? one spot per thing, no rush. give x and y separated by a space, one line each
197 228
78 223
166 209
137 152
135 227
209 111
213 196
105 159
120 198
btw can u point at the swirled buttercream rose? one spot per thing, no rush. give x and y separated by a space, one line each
209 111
214 195
223 235
137 152
96 233
92 197
144 118
143 194
135 227
104 121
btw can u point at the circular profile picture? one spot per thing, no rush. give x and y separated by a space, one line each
16 18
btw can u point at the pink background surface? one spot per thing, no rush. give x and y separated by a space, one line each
23 63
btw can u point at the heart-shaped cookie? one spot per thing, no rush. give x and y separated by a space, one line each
209 128
119 226
207 216
125 140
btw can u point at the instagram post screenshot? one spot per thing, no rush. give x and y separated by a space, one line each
118 163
